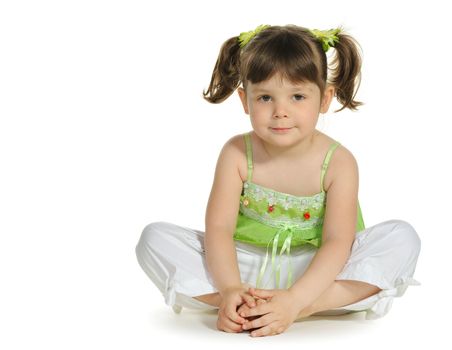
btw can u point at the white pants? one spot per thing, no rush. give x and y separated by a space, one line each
384 255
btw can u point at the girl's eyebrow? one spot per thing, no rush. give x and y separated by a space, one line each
261 90
301 87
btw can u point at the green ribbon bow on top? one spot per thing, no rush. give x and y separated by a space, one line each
276 267
245 37
328 38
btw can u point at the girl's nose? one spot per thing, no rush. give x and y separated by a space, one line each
280 111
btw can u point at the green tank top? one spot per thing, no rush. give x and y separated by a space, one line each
279 221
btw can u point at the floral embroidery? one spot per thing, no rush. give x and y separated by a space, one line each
283 200
260 203
268 220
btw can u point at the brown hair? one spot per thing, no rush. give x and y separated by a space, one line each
296 54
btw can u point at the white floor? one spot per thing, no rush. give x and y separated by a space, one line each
403 326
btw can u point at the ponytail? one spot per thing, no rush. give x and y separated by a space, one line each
346 67
226 73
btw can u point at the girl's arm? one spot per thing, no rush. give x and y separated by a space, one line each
339 230
221 218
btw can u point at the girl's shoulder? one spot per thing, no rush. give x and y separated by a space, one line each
237 146
236 149
325 143
342 160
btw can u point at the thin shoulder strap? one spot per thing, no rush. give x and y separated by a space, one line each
249 155
326 162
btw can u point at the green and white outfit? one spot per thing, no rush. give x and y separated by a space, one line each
276 237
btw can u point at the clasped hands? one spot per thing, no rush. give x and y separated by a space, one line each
261 311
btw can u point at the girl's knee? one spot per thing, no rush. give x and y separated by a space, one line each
409 234
153 234
397 236
404 236
154 228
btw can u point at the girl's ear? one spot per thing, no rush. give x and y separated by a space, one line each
242 94
327 98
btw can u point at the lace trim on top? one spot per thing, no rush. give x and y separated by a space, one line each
275 209
285 200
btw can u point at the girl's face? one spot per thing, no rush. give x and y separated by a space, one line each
284 113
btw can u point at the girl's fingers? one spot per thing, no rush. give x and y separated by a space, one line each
262 293
249 300
232 314
260 301
242 308
271 329
229 326
260 309
259 322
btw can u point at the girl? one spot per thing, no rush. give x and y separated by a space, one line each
284 236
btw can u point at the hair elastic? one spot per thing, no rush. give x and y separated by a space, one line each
245 37
328 38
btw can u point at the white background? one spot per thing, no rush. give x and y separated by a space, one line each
103 130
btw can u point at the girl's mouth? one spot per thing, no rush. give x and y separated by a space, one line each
280 130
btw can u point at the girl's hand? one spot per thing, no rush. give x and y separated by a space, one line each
274 316
244 308
228 318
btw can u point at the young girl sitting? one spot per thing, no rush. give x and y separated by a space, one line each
284 236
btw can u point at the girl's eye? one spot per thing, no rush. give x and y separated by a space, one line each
298 97
265 98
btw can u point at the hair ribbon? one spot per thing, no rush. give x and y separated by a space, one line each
328 38
245 37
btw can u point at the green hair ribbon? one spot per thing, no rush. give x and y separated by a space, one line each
245 37
328 38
